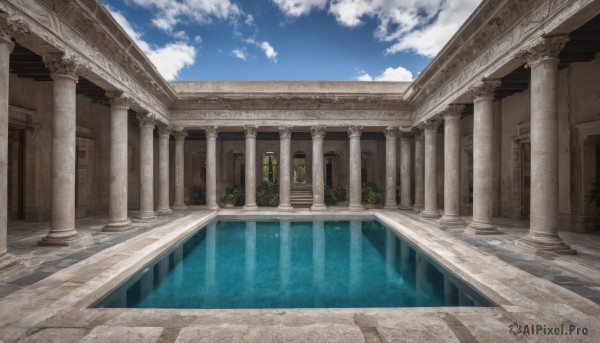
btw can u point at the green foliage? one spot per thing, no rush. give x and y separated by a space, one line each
233 195
299 170
334 194
267 194
593 196
197 196
372 193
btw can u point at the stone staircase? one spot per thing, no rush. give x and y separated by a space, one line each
301 197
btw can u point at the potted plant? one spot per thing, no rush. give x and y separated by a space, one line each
593 196
231 197
267 194
372 195
197 196
334 194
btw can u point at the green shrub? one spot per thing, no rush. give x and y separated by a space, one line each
233 195
593 196
372 194
334 194
267 194
197 196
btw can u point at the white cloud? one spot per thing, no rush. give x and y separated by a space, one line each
169 59
169 13
238 53
297 8
389 74
422 26
269 51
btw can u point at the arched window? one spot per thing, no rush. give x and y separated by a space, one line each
299 172
269 167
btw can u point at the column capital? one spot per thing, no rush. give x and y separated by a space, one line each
164 131
354 131
285 132
9 25
179 133
431 126
119 99
146 119
211 131
405 135
250 130
318 131
452 111
69 66
417 132
484 89
543 49
390 132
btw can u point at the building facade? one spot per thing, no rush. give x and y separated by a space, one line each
504 122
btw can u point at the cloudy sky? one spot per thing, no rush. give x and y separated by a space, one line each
388 40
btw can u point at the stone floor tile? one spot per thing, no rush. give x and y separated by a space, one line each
51 335
118 334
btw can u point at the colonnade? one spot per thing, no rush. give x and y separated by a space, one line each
541 58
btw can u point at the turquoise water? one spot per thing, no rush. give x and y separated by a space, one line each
283 264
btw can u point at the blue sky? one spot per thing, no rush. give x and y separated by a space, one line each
387 40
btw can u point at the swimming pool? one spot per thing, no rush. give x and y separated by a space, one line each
293 264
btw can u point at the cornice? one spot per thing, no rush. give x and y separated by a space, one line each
487 23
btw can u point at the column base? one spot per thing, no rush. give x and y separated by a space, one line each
355 208
145 217
390 206
318 207
164 212
250 207
543 242
405 207
118 225
451 220
214 207
430 214
8 262
285 207
476 228
418 208
179 207
61 239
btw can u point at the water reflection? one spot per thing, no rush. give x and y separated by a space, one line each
291 264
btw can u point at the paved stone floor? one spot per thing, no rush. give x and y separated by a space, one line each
579 273
39 262
56 309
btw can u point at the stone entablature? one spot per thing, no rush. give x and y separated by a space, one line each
502 55
331 118
76 32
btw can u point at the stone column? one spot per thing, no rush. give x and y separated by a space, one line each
419 171
211 167
431 184
147 122
355 191
390 167
318 177
250 131
405 159
285 140
483 163
64 73
542 58
117 204
179 203
164 135
6 47
451 215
